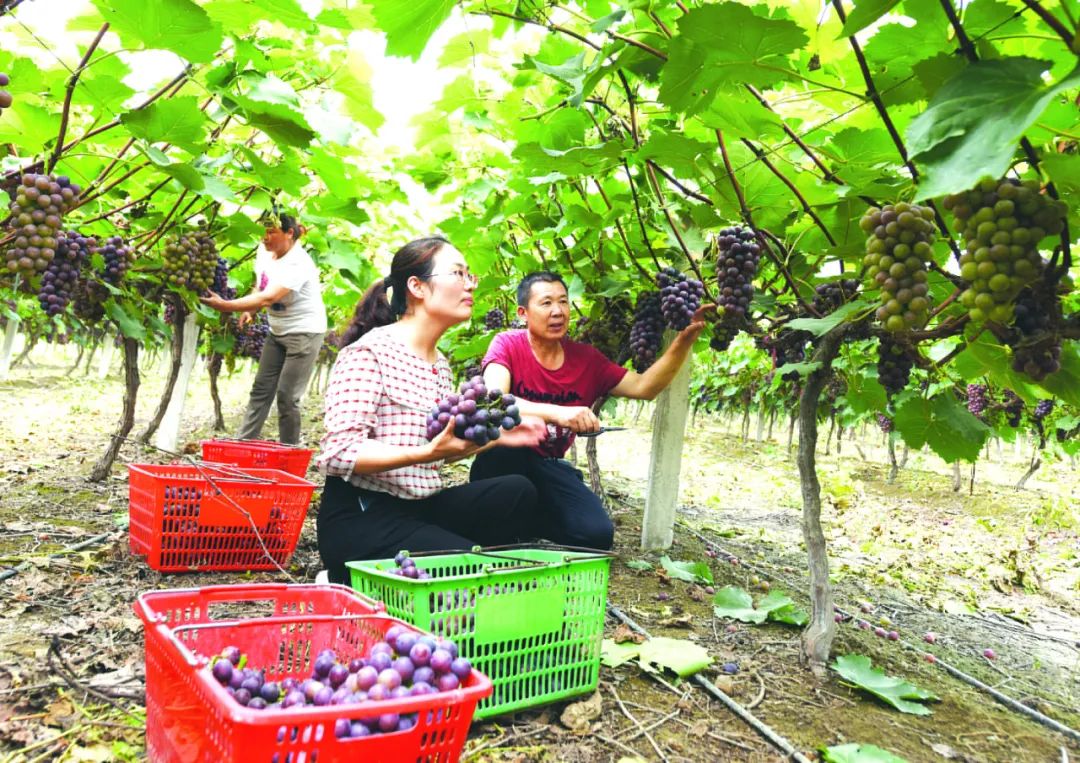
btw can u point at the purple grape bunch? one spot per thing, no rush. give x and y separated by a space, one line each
1043 409
60 281
478 414
118 258
220 285
1013 406
647 333
833 294
737 262
884 423
788 346
893 366
406 567
976 399
494 319
405 663
251 338
1036 349
5 97
680 297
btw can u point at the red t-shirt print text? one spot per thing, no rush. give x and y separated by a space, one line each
585 376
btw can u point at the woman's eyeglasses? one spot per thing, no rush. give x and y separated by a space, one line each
464 277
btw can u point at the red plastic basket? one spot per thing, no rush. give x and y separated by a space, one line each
198 721
186 517
178 607
258 454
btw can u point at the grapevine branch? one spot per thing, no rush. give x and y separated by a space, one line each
686 191
622 232
675 230
640 218
826 172
72 81
747 216
130 204
792 187
116 122
1052 21
875 96
630 101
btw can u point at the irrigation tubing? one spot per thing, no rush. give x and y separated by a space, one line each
759 726
13 571
1004 699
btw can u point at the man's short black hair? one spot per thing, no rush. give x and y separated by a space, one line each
525 287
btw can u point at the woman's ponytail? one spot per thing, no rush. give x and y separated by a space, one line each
373 310
416 258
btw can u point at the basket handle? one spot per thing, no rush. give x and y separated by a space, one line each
590 553
242 593
495 552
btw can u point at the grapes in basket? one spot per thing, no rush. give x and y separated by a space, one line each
477 413
404 664
406 567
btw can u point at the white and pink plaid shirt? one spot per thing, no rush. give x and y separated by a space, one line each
379 390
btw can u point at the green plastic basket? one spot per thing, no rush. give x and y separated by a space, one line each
530 619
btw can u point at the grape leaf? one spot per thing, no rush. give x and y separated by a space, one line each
953 141
175 120
864 394
409 24
856 668
944 424
682 657
865 13
820 326
734 602
613 655
129 326
239 16
691 572
737 604
858 753
722 46
177 25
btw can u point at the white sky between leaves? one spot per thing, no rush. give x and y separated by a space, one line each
401 88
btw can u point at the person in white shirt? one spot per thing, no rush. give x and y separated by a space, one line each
287 283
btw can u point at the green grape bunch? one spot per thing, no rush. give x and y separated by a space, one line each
190 261
1002 223
897 253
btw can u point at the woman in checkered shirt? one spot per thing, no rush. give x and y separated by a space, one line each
383 489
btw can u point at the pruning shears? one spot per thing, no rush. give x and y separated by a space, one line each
601 430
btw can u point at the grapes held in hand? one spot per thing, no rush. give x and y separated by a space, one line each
477 414
680 297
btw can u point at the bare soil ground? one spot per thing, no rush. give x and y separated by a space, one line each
995 568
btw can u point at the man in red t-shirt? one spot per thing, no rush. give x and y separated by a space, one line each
559 380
